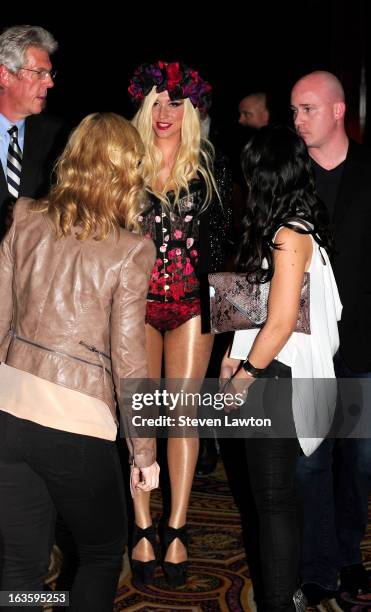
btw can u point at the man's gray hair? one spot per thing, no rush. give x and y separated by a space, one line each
15 41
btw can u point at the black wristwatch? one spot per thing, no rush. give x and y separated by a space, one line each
250 369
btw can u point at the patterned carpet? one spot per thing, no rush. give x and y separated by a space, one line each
218 573
219 578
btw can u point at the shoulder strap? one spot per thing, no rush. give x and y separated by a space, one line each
295 222
309 229
298 221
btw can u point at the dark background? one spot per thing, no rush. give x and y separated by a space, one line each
238 47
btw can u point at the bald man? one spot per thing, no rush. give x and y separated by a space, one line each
253 111
335 514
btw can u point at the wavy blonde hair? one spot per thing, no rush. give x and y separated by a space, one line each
98 183
195 155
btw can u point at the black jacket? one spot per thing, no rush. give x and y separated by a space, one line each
352 259
44 139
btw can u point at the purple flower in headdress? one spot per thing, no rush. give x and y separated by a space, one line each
145 77
175 78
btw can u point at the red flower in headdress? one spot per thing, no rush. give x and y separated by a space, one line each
174 76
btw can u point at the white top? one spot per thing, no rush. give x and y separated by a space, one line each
310 356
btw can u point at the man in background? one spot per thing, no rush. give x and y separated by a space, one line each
334 482
30 141
254 112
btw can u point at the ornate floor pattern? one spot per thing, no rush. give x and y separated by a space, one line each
219 578
218 573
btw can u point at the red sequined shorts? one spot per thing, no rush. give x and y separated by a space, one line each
169 315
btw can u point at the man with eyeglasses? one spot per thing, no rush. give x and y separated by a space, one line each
29 141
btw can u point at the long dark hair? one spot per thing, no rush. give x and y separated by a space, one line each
281 186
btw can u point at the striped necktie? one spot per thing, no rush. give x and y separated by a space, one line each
14 163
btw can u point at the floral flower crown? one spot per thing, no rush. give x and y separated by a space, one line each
175 78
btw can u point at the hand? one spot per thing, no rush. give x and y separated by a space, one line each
145 478
228 368
239 385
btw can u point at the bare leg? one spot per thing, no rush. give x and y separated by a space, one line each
187 355
143 551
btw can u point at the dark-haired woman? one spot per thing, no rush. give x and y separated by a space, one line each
285 235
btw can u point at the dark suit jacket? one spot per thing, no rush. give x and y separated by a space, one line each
352 260
45 137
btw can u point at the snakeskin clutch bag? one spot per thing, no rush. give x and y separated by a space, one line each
237 304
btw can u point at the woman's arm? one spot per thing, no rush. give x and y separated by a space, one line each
128 343
290 261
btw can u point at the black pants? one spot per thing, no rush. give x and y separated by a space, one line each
44 471
272 466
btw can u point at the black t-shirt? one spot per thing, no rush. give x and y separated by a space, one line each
327 184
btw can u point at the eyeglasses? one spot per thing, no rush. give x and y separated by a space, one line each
42 74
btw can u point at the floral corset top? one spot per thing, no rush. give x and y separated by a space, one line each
176 236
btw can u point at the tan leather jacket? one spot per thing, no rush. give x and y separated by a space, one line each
73 311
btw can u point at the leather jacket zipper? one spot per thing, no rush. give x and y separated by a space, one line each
94 349
49 350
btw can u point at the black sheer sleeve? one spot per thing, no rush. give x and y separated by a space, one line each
216 221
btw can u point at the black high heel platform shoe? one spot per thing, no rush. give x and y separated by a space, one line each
143 571
175 573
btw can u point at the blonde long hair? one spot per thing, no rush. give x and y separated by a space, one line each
98 184
195 156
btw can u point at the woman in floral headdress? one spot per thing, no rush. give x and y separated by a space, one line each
187 216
